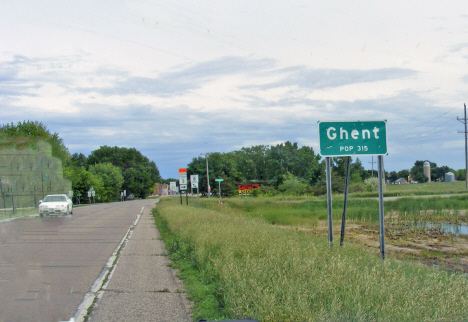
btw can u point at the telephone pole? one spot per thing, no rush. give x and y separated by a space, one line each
207 173
463 120
373 162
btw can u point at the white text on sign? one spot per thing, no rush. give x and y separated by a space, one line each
332 135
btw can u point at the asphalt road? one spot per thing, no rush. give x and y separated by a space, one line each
48 265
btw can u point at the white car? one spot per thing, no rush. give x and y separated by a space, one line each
55 205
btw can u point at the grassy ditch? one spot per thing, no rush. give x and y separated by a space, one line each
250 268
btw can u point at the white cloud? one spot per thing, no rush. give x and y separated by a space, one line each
177 79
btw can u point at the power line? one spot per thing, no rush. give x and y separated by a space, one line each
431 131
426 122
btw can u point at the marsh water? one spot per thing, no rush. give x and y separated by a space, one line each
456 229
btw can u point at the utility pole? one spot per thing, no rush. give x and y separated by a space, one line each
466 147
372 166
207 173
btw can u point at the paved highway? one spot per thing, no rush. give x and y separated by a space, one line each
48 265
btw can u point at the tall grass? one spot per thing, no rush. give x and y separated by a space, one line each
307 212
435 209
271 274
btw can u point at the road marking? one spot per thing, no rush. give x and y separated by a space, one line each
93 295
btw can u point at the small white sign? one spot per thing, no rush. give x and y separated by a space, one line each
183 187
93 193
173 186
182 178
194 184
194 178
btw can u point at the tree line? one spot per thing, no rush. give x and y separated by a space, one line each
288 168
108 170
280 168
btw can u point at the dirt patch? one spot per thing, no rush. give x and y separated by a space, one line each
431 247
428 246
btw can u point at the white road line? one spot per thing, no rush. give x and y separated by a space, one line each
93 295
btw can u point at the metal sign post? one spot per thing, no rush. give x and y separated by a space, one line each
381 207
329 201
183 183
194 184
219 186
339 139
345 205
191 192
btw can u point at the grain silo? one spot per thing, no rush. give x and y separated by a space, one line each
449 177
427 171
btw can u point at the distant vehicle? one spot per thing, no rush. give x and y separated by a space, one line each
55 205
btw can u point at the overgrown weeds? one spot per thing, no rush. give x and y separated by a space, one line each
250 268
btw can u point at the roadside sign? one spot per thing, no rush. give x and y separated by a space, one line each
183 187
352 138
182 177
194 180
219 180
173 185
348 138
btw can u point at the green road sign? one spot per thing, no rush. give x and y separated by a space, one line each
219 180
348 138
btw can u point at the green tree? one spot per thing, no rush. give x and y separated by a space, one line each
221 166
140 174
83 180
112 180
289 158
79 160
403 174
394 176
438 173
293 185
251 163
35 130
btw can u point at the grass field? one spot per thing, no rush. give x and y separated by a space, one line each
237 264
430 188
308 212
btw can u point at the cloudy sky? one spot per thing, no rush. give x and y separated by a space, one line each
178 78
